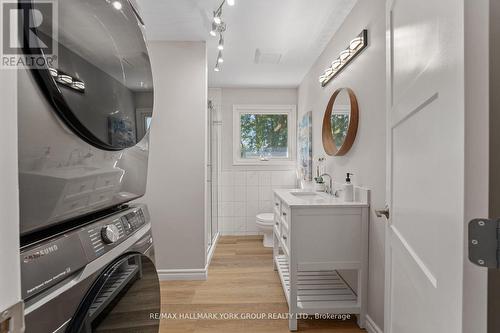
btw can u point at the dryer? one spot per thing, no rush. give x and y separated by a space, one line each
96 278
83 123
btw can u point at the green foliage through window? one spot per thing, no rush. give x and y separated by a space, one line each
340 125
264 135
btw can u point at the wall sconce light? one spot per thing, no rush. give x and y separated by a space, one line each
67 80
356 46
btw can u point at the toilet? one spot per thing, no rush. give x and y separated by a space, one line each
265 222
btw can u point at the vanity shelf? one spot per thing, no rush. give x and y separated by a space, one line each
318 291
317 238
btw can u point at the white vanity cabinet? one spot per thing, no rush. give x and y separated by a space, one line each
315 236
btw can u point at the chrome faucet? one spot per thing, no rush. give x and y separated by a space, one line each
330 189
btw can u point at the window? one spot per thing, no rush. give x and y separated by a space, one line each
143 120
264 134
147 122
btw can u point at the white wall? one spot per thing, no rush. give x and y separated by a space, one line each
176 174
247 190
10 277
366 76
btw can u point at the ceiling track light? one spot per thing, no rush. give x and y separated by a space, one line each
218 27
217 17
221 43
356 46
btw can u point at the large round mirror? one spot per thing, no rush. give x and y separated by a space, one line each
340 122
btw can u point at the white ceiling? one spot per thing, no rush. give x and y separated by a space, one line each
297 29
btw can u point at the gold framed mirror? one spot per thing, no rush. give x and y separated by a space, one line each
340 122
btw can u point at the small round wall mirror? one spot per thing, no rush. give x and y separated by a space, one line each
340 122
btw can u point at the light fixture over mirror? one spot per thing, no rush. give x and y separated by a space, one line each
356 46
340 122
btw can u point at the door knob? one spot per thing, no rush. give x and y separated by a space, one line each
383 212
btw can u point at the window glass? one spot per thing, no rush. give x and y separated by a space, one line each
263 136
147 122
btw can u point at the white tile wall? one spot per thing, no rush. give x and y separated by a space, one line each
246 194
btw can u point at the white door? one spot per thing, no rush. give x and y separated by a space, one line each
425 99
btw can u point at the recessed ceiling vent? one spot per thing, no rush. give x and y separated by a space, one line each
263 57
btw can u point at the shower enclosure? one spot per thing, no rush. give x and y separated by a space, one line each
213 172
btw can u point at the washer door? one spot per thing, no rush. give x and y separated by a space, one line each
122 299
101 82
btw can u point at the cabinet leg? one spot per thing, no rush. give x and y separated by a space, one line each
292 322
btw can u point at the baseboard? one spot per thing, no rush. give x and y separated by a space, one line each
188 274
212 250
371 327
182 274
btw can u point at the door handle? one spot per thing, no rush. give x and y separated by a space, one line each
383 212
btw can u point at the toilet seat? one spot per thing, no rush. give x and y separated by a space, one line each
265 219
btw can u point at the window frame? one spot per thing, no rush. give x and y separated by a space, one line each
289 110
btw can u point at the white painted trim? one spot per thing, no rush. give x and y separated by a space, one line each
212 250
371 327
290 110
182 274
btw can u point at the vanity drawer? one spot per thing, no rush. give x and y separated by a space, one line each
277 203
285 236
285 213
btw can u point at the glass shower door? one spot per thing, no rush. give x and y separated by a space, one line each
214 129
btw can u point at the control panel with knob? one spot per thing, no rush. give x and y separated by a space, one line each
110 233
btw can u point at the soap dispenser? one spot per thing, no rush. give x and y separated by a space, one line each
348 188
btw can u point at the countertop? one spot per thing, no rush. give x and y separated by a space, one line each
321 199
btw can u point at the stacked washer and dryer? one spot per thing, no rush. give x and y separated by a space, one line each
87 256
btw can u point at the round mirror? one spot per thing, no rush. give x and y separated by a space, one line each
340 122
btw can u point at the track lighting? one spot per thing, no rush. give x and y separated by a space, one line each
213 32
221 43
117 5
217 19
356 46
218 27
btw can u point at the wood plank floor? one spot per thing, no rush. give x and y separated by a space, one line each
241 281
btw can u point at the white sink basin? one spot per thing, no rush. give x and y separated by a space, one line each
307 195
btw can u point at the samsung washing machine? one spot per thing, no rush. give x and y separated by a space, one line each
96 278
83 121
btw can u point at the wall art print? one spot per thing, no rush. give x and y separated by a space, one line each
305 147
